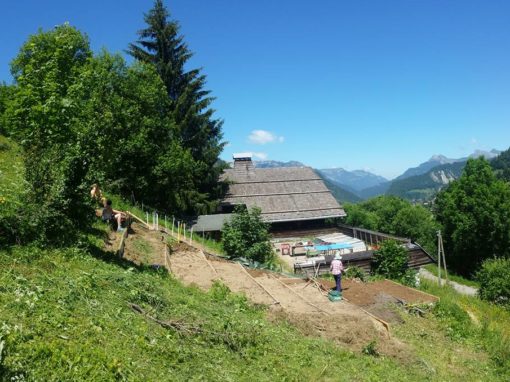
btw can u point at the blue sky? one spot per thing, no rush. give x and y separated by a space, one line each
377 85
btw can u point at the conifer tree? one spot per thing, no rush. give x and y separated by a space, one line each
198 132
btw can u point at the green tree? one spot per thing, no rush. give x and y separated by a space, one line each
390 260
475 214
199 134
395 216
42 116
246 235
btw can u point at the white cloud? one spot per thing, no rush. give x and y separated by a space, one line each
474 141
261 156
261 137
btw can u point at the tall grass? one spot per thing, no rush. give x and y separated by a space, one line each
469 318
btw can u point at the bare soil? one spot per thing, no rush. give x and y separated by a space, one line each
301 304
240 282
190 266
144 246
380 297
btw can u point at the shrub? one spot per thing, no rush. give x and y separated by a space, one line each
494 278
410 278
355 273
390 260
246 235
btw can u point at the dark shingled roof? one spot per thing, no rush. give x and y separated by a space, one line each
283 194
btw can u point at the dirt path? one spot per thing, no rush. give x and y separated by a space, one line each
460 288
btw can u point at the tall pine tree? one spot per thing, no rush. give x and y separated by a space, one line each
198 132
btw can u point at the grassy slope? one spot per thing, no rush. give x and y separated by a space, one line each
64 316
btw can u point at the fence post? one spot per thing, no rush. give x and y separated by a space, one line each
178 230
165 224
191 236
147 217
184 231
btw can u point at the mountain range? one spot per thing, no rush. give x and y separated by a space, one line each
418 183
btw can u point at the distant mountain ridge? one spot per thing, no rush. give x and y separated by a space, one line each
419 183
438 160
353 181
424 186
341 195
275 163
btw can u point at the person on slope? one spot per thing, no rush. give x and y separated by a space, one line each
336 269
111 215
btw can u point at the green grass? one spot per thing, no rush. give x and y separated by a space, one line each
469 320
64 316
432 268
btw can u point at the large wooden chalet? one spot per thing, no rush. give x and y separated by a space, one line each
289 197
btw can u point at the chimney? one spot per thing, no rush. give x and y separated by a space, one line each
242 162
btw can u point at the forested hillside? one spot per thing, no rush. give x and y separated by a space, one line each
501 165
424 187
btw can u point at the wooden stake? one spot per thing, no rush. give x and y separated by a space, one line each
444 260
439 257
260 285
191 236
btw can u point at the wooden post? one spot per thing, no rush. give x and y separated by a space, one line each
147 216
191 236
173 223
439 257
165 224
444 260
184 231
178 230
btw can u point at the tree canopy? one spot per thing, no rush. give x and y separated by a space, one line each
475 214
145 130
198 132
395 216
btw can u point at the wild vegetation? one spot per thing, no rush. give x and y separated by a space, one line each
141 130
393 215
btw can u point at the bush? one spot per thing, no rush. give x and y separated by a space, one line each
410 278
246 235
494 278
390 260
355 273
